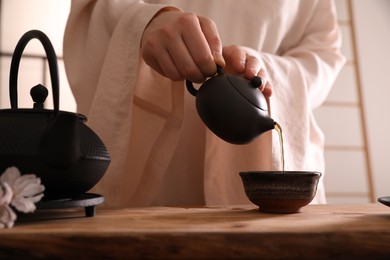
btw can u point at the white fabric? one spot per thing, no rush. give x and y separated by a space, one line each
161 152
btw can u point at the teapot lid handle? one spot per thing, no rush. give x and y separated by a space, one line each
190 86
53 66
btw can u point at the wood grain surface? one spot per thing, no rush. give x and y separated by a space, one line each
317 232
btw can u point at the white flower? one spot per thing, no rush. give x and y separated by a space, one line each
6 194
7 216
27 189
19 191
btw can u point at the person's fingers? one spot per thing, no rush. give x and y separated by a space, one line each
210 31
266 87
182 46
166 67
238 61
194 57
235 59
252 67
201 38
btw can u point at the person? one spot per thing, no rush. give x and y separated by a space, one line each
126 62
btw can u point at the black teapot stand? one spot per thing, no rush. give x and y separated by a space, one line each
88 201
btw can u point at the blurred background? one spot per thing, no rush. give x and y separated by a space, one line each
354 117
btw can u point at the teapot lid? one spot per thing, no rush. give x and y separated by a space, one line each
252 94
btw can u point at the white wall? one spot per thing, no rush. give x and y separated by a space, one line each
18 17
372 24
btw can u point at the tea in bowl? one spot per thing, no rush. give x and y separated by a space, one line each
280 192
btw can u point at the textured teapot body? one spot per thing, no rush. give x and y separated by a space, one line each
232 107
28 143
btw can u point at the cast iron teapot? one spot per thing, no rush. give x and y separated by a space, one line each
232 107
55 145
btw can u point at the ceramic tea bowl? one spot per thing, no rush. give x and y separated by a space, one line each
280 192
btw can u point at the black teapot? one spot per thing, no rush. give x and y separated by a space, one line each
232 107
55 145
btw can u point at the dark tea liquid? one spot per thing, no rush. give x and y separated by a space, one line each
278 129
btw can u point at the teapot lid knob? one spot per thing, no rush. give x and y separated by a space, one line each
256 82
39 94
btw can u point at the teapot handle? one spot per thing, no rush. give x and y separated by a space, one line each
53 66
190 87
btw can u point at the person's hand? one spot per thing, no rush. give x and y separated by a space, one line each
182 45
240 61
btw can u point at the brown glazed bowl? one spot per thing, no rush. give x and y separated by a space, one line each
280 192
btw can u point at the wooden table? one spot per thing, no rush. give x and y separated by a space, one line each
318 231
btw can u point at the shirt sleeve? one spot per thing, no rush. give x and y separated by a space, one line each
91 32
310 68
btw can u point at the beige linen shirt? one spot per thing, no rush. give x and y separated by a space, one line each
162 154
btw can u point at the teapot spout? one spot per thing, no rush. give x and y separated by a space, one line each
60 145
266 124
